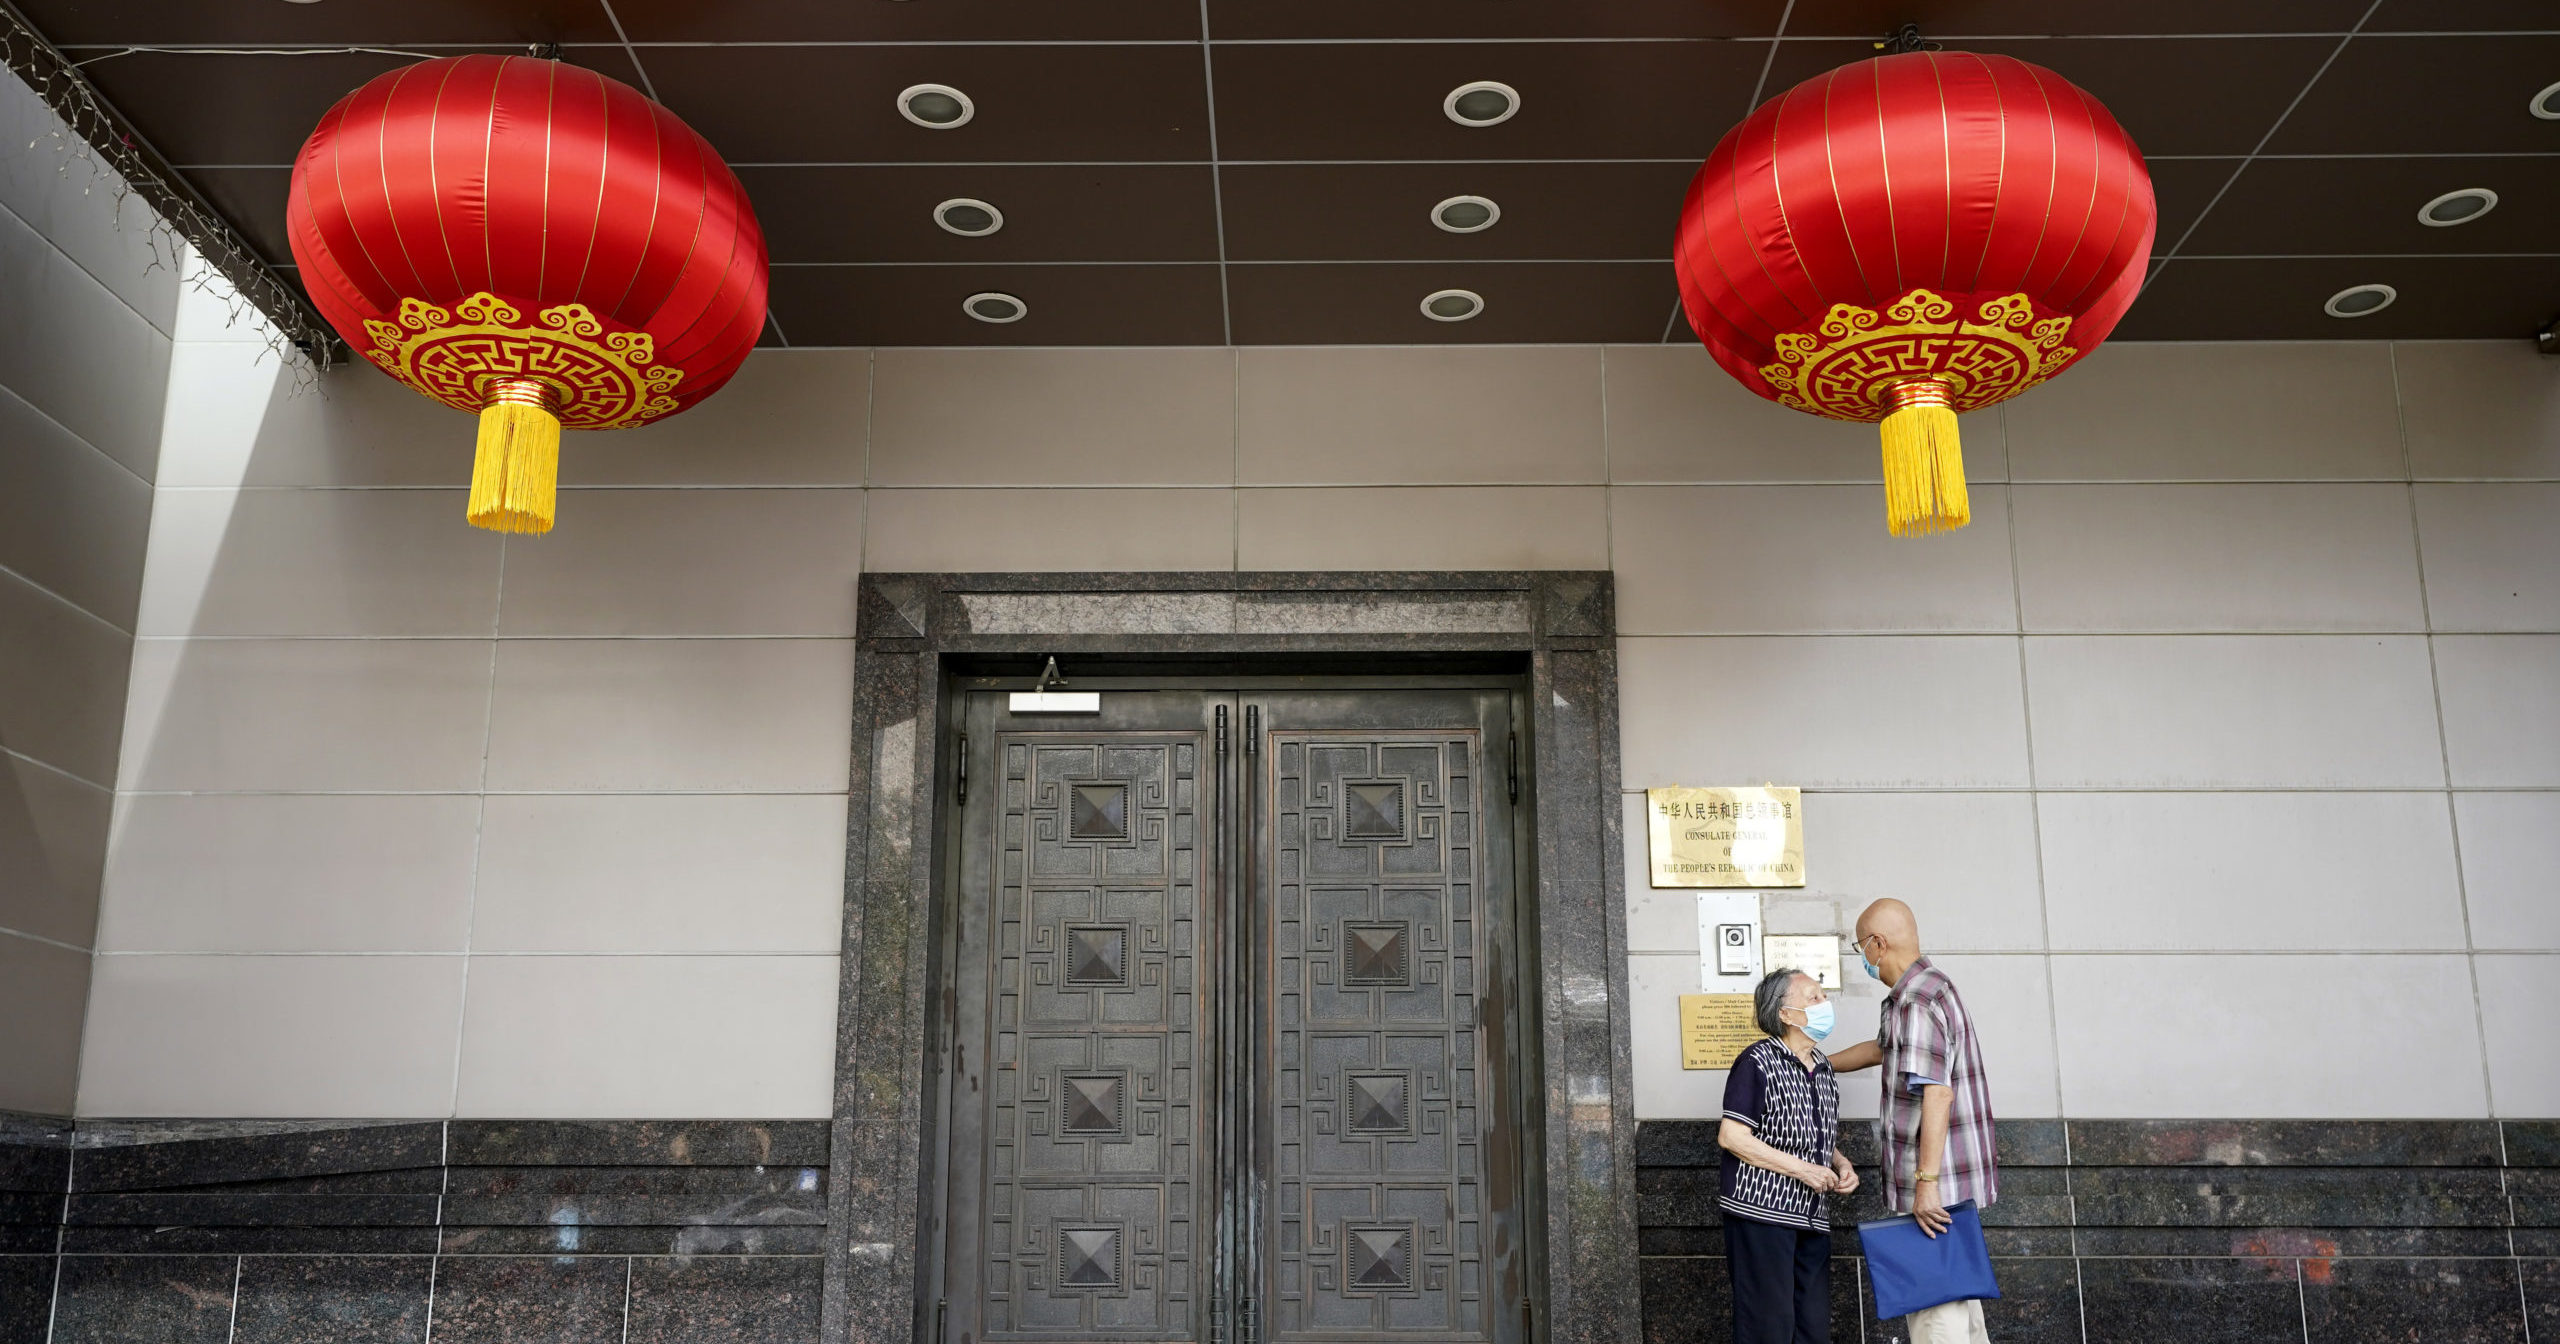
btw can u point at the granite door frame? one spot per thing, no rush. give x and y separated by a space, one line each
913 632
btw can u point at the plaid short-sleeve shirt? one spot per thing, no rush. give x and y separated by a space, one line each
1925 1033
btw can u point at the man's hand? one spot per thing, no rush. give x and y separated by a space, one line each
1848 1182
1820 1178
1928 1212
1851 1058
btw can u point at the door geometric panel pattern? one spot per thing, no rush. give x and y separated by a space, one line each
1377 1220
1090 1217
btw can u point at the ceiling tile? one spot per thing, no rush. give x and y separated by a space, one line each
1525 302
1099 103
1152 212
1578 100
1949 20
1382 211
2300 207
2182 188
2278 299
253 200
140 22
934 21
2428 95
1450 20
1067 305
2173 95
2464 16
247 109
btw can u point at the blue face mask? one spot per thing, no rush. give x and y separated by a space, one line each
1819 1019
1872 972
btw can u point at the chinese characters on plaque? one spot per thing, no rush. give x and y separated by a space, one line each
1739 837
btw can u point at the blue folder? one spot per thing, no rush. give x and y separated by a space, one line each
1913 1271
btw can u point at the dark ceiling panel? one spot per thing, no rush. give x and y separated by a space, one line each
1578 100
1154 212
2182 188
2464 16
932 21
2173 95
253 200
369 22
1318 304
2428 95
1100 103
2301 207
1068 305
1382 211
2278 299
1458 20
1953 19
247 109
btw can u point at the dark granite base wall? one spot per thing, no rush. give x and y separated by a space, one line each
486 1232
2196 1232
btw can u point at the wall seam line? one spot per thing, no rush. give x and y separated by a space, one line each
2444 762
479 833
119 300
2035 821
47 590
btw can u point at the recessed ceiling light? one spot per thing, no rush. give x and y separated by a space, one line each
968 218
1452 305
1486 102
996 308
2457 207
2546 104
1466 214
2360 301
935 107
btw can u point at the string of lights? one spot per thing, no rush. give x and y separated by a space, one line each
92 136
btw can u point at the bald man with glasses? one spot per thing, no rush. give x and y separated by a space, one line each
1937 1124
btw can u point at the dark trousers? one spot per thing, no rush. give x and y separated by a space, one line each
1781 1279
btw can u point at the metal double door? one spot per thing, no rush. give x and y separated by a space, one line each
1233 1022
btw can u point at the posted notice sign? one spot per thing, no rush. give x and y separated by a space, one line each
1741 837
1715 1029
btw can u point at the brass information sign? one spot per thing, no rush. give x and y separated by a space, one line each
1746 837
1715 1029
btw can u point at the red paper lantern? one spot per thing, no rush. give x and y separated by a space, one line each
531 242
1909 237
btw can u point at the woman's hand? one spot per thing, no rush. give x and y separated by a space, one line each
1848 1183
1822 1179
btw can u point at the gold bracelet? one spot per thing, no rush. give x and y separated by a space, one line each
1929 1176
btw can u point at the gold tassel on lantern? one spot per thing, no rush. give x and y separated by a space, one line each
516 476
1923 462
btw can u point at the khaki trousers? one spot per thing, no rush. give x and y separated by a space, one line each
1949 1323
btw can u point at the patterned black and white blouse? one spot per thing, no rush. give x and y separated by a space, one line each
1793 1109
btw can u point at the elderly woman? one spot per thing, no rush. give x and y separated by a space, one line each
1782 1162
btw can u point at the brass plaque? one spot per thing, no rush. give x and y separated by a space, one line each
1715 1029
1745 837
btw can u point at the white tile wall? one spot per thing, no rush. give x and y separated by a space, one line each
2226 871
641 916
2206 1037
2493 555
1447 527
290 873
2519 1000
306 714
2212 412
2217 557
1811 558
2233 711
42 986
55 364
649 1037
2511 868
2501 715
661 873
674 714
689 562
1823 713
343 1037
